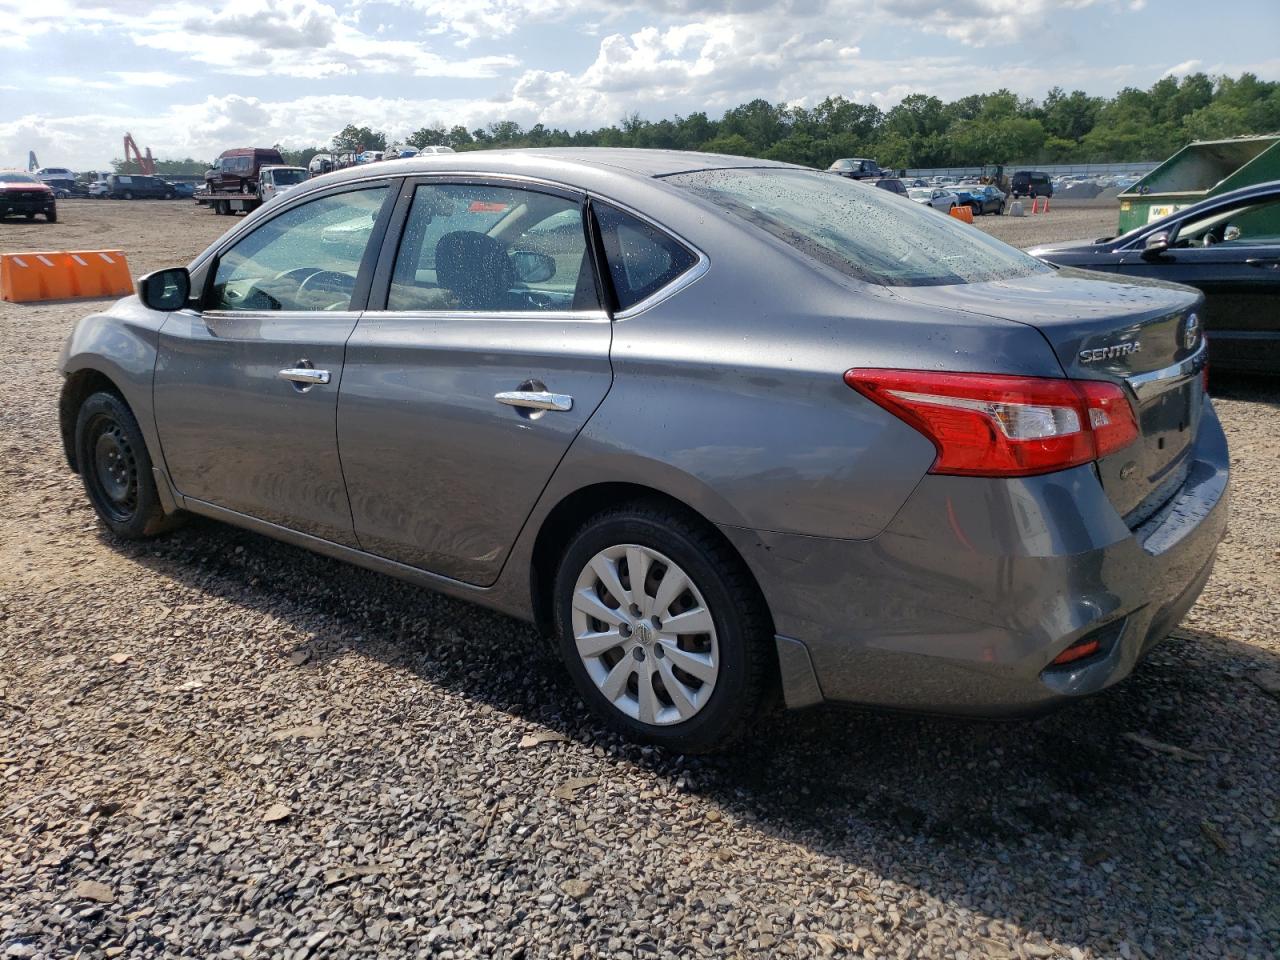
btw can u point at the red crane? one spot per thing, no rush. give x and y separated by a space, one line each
147 164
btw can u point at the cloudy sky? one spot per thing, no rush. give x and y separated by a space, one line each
191 79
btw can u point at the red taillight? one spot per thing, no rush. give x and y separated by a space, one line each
995 425
1077 651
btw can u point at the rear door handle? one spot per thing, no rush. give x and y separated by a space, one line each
535 400
305 375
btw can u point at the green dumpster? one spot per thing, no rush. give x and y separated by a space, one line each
1199 170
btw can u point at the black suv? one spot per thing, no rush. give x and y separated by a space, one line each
1031 183
134 187
893 185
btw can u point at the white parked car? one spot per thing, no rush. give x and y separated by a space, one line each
276 180
98 185
937 197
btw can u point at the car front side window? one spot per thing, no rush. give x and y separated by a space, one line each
307 258
491 249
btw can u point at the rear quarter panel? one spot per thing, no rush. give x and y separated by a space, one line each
730 395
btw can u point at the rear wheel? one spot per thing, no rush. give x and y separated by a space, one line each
661 628
128 194
116 468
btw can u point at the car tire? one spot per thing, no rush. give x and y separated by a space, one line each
630 683
51 216
116 469
128 194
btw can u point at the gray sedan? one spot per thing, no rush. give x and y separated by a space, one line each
722 427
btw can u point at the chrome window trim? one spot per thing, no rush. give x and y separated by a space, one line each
1149 384
562 316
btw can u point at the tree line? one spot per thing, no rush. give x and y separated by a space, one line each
921 131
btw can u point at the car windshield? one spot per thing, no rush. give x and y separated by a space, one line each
17 178
859 230
920 194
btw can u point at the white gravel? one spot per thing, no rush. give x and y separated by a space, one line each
214 745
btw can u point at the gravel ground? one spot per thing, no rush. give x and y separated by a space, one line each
214 745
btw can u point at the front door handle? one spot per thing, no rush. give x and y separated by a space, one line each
304 375
1263 263
535 400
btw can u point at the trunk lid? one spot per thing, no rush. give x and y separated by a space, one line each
1134 332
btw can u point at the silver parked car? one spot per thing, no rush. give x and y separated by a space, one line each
936 197
721 426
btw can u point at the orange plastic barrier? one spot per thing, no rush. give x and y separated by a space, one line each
962 213
63 275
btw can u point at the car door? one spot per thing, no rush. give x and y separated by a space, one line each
246 388
1232 254
487 354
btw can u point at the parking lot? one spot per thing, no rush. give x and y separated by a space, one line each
214 744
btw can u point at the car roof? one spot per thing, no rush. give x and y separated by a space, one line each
631 162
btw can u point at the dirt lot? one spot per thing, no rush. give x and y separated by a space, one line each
216 745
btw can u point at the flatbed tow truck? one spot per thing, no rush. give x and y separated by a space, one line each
228 204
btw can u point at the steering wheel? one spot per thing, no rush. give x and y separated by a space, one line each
328 281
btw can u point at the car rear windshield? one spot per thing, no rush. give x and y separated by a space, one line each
859 230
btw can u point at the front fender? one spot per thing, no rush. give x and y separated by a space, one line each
117 346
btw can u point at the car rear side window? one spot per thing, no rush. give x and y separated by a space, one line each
642 259
859 230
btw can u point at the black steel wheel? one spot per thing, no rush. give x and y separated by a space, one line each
116 469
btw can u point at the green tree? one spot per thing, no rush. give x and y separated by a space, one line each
432 136
355 139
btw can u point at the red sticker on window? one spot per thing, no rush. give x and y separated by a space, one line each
486 206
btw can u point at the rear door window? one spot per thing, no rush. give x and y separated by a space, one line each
642 259
492 250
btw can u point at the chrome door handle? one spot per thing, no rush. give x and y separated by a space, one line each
304 375
535 400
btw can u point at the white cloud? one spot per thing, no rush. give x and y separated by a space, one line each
149 78
1183 68
297 38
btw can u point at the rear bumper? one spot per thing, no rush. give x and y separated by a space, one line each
962 603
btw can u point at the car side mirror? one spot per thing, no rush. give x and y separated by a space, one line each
1155 245
166 290
532 267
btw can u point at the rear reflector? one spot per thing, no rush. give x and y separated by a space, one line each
996 425
1077 651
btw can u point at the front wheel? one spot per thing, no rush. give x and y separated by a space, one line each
128 195
662 629
116 468
51 215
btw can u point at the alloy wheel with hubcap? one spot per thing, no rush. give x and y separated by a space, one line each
662 628
645 634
